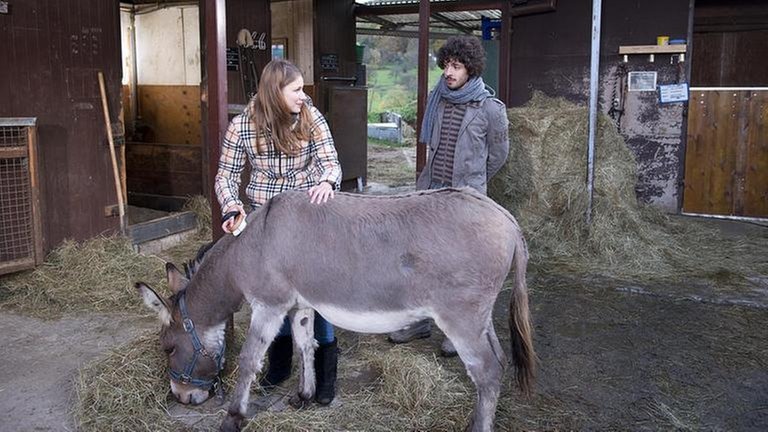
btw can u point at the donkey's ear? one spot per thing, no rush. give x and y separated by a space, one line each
176 279
154 302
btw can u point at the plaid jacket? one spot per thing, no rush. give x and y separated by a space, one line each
272 171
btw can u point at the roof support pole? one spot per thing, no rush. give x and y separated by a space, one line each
505 47
594 75
423 75
213 97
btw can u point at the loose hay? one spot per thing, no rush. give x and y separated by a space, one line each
412 392
544 185
127 388
96 275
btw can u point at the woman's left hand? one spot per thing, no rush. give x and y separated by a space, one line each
320 193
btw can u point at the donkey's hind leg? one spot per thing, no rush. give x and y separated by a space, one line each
265 323
303 329
479 349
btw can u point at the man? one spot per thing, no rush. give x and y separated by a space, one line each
465 129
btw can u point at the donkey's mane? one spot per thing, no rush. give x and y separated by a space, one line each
191 266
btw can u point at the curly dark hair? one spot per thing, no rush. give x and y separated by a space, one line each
467 50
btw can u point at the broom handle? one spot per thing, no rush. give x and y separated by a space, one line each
118 188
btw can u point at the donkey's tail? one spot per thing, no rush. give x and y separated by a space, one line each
523 355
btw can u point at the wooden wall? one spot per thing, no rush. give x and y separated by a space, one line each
551 52
51 52
727 156
252 15
339 16
730 44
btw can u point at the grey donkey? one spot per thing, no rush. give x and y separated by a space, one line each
371 264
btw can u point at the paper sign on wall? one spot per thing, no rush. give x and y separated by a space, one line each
642 81
670 93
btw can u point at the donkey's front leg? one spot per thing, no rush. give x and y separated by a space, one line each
265 323
303 329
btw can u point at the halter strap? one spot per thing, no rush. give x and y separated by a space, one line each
218 358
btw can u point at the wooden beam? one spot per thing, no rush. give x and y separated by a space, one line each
653 49
403 33
457 6
213 97
423 75
505 47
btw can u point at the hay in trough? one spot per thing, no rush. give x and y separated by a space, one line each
544 185
200 206
95 275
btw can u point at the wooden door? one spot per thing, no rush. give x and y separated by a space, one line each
726 158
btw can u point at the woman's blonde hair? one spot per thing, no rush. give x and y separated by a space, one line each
272 118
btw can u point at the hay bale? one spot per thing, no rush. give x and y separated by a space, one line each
544 185
95 275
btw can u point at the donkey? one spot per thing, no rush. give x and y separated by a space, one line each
371 264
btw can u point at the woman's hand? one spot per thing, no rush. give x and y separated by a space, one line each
320 193
229 225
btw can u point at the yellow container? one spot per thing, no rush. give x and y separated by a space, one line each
662 40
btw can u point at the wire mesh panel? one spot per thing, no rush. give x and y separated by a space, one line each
20 237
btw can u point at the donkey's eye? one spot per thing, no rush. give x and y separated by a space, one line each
170 350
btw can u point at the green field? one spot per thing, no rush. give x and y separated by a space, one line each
390 89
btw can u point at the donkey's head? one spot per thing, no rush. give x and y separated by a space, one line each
195 353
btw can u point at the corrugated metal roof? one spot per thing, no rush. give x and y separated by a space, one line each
458 22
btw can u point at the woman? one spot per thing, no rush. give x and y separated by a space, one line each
288 144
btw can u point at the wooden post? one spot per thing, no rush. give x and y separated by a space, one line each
423 76
115 170
214 97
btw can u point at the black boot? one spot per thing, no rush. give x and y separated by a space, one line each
326 358
280 354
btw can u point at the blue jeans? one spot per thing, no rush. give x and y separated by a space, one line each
323 330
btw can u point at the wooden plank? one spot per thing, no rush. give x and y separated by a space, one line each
653 49
710 153
172 113
162 227
13 152
16 265
756 170
741 120
722 153
34 189
157 202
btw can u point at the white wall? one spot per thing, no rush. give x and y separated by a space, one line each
125 34
167 46
292 20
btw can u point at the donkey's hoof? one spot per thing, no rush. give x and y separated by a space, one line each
231 423
299 402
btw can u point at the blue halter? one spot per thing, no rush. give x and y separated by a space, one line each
218 358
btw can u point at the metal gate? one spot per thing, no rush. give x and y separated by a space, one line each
726 157
21 245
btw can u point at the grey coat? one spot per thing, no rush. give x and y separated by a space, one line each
481 148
